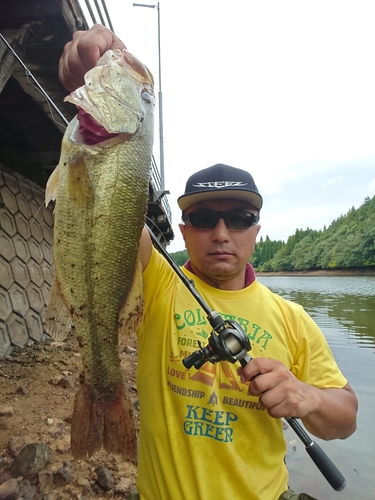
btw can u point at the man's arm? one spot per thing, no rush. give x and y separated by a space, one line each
335 414
145 248
326 413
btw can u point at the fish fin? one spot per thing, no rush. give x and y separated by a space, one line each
86 435
57 321
120 436
131 313
80 188
52 185
103 421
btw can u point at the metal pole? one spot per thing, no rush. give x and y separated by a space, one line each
161 133
160 98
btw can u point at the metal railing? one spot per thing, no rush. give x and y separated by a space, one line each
156 184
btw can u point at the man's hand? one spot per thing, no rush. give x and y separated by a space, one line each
83 52
327 413
279 391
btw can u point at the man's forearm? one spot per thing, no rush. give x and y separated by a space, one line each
335 413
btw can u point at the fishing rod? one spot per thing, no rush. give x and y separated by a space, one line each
229 342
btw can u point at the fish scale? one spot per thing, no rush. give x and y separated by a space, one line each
101 193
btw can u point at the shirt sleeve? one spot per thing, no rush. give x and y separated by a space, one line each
314 362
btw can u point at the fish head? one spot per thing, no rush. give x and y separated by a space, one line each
117 98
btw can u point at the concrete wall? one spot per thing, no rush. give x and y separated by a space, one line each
26 260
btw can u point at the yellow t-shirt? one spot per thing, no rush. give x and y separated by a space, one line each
202 436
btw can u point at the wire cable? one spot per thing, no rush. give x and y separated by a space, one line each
38 86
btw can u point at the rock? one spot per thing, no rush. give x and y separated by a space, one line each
27 491
130 350
9 490
123 485
105 478
4 475
57 344
54 380
6 411
54 495
63 476
45 478
67 382
32 459
83 482
22 390
15 445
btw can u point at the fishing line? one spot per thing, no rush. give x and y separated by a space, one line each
157 228
48 103
37 84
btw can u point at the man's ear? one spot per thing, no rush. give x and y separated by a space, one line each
182 229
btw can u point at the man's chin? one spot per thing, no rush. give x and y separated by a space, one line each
220 271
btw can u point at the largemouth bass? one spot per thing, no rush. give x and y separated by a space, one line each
101 190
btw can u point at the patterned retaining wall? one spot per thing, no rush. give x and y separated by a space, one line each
26 260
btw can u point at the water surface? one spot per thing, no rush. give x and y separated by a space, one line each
344 308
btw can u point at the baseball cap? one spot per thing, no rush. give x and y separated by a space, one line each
218 182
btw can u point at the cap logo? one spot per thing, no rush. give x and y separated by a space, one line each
220 184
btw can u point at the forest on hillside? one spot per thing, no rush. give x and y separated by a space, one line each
348 242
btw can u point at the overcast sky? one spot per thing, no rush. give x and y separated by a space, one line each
283 89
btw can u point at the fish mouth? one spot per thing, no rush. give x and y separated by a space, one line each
90 130
108 108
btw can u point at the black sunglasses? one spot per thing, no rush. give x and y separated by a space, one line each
234 219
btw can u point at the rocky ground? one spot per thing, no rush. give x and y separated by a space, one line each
37 390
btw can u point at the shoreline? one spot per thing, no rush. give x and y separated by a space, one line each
322 272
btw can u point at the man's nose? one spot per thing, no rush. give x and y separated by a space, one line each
220 232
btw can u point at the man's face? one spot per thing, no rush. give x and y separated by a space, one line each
219 255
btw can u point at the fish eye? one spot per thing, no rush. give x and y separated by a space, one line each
146 96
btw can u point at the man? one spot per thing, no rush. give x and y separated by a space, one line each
216 433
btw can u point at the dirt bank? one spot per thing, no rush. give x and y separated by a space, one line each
35 406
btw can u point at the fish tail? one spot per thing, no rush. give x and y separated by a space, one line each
102 421
119 434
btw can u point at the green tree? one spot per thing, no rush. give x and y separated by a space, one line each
349 241
180 257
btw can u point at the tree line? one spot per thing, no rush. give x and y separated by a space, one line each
348 242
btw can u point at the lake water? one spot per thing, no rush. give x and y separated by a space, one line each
344 308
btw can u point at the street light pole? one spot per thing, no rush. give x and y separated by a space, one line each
160 98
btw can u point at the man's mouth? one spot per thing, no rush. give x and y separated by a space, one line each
220 254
